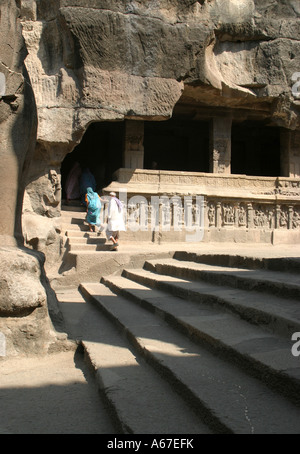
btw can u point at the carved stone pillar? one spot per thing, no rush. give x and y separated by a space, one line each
133 157
218 215
277 216
290 216
220 145
250 223
206 214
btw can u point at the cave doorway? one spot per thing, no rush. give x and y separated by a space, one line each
255 149
177 144
100 150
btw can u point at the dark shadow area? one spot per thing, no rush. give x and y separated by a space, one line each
177 144
100 150
57 396
255 149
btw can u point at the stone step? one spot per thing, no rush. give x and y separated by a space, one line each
286 285
93 238
75 228
283 264
78 247
82 234
75 207
73 221
82 229
267 355
278 315
69 214
228 399
139 400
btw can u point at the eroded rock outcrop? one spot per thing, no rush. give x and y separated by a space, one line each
100 60
25 325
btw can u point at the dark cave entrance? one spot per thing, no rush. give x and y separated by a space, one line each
100 150
177 144
255 149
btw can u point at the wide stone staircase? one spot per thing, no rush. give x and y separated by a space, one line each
193 344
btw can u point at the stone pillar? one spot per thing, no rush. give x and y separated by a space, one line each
218 215
133 156
290 153
250 222
277 216
220 145
290 216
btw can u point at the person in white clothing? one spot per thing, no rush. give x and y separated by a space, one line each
115 220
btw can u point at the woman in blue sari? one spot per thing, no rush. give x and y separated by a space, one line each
87 180
93 203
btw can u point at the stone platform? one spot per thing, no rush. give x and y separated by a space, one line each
229 208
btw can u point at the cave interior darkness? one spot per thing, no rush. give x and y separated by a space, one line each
176 144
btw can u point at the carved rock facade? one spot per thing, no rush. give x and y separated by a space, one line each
221 65
223 62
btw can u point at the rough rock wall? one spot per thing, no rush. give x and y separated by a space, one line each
101 60
18 123
25 326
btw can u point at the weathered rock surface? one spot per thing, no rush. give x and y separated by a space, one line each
18 123
25 325
25 303
114 60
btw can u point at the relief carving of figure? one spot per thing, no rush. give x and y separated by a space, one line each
270 217
242 215
283 218
211 214
260 219
52 195
228 214
56 186
296 219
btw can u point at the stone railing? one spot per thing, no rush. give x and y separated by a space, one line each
236 208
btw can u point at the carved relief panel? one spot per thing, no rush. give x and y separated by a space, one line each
263 216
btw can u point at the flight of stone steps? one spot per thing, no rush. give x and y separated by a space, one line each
185 347
87 255
77 234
